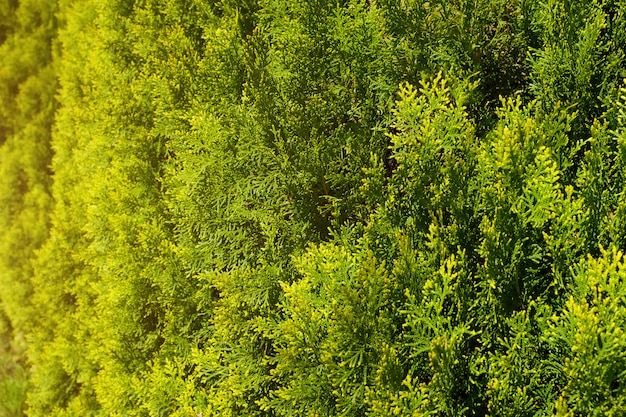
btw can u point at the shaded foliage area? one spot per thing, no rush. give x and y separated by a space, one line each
290 208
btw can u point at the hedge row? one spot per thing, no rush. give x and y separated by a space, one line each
312 208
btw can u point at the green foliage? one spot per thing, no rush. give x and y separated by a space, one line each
435 154
581 60
327 354
591 327
27 104
318 208
13 372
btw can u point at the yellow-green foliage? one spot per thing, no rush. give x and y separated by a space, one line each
591 328
27 104
312 208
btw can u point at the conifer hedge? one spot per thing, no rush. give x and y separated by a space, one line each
295 208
